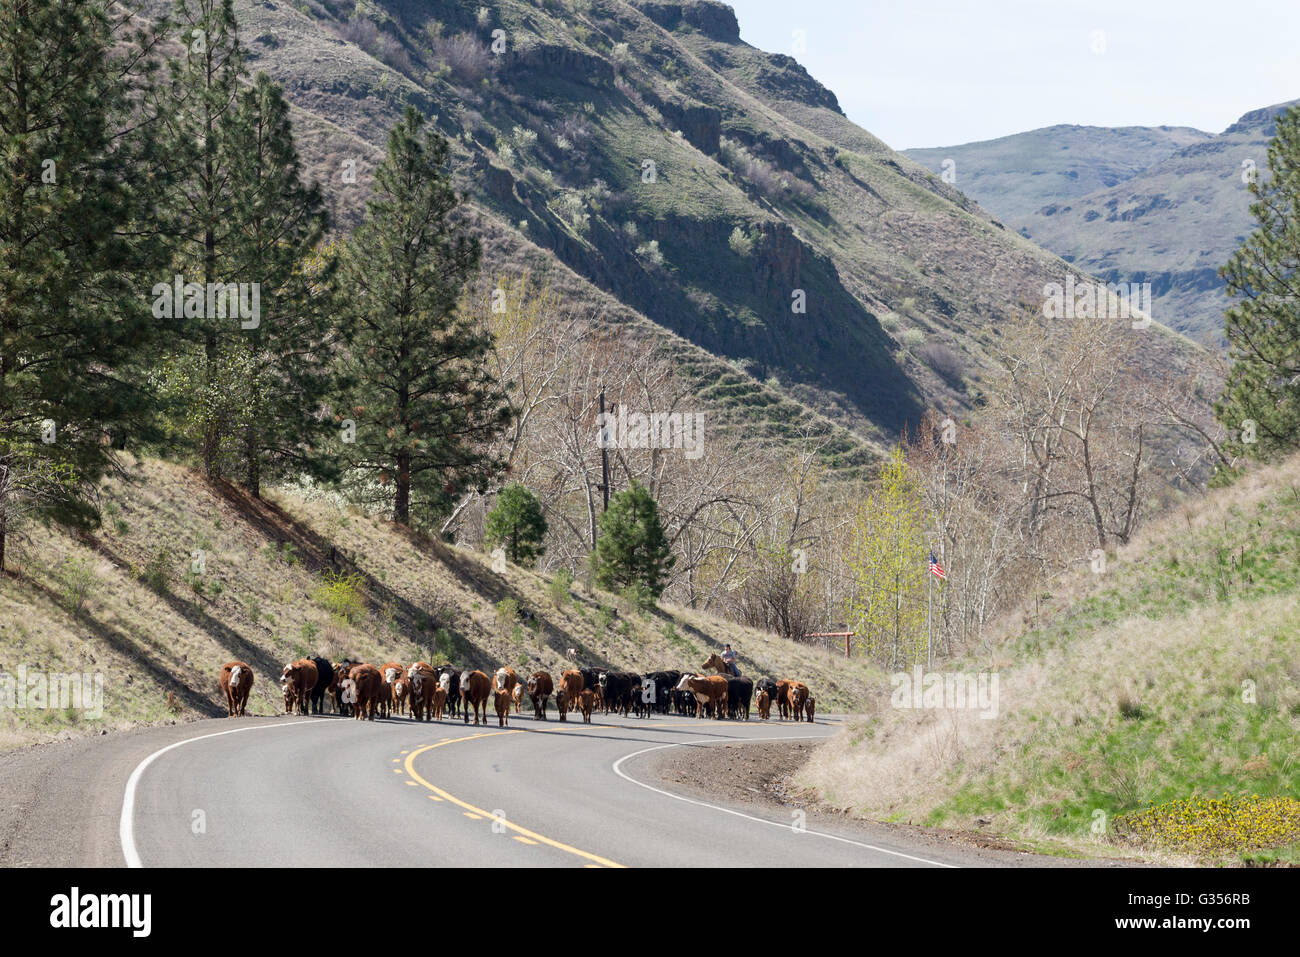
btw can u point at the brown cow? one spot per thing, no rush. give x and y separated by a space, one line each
501 701
540 687
474 689
517 696
388 673
588 698
297 680
810 707
710 691
783 698
566 697
367 688
424 684
798 699
439 701
764 705
236 683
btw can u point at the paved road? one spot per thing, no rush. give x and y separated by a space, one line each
262 792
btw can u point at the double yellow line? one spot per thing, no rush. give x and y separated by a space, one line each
525 832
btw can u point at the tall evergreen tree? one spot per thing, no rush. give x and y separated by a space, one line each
277 228
73 151
1262 393
200 212
632 550
517 523
426 404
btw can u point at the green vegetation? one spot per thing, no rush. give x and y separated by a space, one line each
632 551
516 522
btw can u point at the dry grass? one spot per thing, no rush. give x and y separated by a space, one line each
259 599
1129 692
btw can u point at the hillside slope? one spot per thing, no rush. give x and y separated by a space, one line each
710 187
296 575
1172 224
1171 676
1015 176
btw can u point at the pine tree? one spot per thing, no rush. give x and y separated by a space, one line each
632 550
275 238
200 213
426 405
517 523
73 189
1261 398
888 560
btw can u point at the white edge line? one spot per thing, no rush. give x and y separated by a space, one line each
126 828
749 817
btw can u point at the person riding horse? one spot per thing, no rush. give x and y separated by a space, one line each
729 657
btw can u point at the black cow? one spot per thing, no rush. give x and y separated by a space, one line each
616 691
453 688
740 691
324 678
768 685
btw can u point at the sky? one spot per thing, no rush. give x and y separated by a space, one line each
920 73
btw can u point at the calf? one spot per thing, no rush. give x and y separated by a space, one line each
502 702
401 693
298 679
764 705
517 697
588 698
236 682
452 688
341 670
474 689
439 700
809 707
566 697
540 687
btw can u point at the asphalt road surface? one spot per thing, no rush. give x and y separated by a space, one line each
267 792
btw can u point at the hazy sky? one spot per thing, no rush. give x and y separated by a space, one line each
943 72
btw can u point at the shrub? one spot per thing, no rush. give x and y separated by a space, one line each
650 253
558 588
943 360
340 595
157 573
77 582
740 242
507 614
468 59
912 337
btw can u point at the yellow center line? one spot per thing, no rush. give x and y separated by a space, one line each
597 860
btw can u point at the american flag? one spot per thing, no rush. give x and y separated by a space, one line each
937 569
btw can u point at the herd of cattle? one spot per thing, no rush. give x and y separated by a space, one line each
429 692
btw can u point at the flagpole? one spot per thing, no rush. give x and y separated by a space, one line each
929 612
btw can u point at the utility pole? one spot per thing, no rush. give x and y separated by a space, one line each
604 453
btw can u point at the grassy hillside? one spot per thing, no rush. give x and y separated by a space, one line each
1171 676
1015 176
1173 225
298 574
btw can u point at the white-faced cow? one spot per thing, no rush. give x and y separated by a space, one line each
236 682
